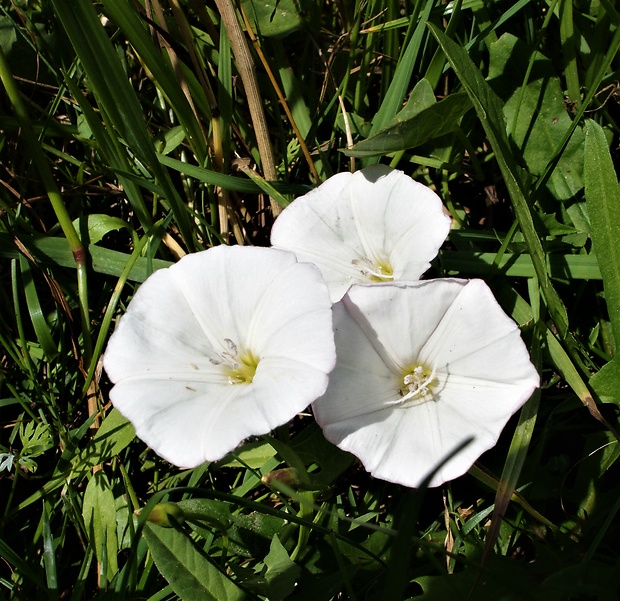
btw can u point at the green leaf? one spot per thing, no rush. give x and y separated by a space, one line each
282 572
489 109
253 454
536 115
49 250
273 18
603 201
97 226
422 119
100 522
190 573
112 437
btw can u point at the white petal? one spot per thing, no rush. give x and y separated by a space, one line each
474 321
398 219
375 215
167 354
401 316
361 383
482 377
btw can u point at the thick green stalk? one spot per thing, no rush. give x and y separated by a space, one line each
53 193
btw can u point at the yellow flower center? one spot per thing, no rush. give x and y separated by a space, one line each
239 367
242 371
416 386
375 271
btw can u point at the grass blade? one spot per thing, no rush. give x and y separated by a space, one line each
489 109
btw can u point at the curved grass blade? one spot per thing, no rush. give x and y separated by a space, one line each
489 109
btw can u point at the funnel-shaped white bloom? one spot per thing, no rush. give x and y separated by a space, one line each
374 225
226 343
421 368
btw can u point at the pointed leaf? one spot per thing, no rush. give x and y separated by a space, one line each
282 572
100 522
603 201
422 119
191 574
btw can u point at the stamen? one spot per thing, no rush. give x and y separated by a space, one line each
418 386
377 272
240 368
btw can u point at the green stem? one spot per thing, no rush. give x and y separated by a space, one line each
53 193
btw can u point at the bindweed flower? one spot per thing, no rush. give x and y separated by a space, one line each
227 343
421 368
375 225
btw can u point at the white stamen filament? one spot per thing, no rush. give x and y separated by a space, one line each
417 385
369 269
240 369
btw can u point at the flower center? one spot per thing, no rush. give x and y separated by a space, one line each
239 367
377 271
417 386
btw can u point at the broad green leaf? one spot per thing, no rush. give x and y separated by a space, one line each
98 225
536 115
282 572
253 454
312 447
603 200
248 534
422 119
273 18
170 140
490 112
211 511
112 437
99 516
190 573
561 266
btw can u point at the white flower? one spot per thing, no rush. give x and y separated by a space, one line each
225 344
374 225
421 367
